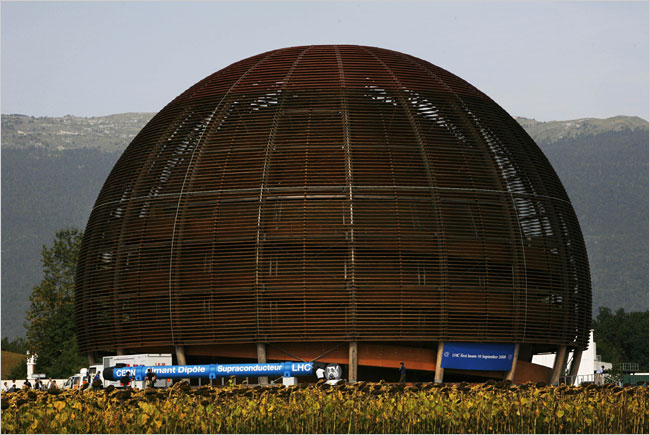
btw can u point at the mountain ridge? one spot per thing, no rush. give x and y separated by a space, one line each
108 133
547 132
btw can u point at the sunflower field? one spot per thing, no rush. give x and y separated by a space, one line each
493 407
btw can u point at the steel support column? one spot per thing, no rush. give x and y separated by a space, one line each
439 369
180 355
353 359
575 365
511 374
261 358
557 365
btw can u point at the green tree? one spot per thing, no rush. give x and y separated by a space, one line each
50 319
17 345
622 337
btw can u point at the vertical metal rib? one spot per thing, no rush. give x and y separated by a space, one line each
329 193
268 155
190 167
443 285
349 181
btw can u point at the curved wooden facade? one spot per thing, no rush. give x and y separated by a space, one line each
332 194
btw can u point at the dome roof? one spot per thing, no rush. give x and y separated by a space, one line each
332 192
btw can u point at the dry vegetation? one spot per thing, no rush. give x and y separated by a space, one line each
9 361
360 408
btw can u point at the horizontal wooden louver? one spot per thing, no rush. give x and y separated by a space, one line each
332 193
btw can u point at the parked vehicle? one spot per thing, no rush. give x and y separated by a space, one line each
86 375
143 359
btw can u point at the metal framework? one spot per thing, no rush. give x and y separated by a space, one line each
332 193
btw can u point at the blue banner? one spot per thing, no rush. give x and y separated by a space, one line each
478 356
213 371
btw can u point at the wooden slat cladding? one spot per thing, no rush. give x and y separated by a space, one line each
332 193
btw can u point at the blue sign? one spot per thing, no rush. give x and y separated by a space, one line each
213 371
478 356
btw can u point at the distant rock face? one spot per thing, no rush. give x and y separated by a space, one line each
553 131
106 133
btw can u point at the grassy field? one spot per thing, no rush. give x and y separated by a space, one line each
9 360
360 408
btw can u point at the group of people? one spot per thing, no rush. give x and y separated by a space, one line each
125 382
38 385
150 379
6 389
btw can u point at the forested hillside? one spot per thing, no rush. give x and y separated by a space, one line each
606 177
42 191
53 169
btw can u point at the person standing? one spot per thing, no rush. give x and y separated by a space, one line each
97 381
600 375
49 384
402 373
151 378
27 385
126 380
4 387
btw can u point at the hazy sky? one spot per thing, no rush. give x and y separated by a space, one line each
543 60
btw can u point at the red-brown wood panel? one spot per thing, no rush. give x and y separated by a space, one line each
327 194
